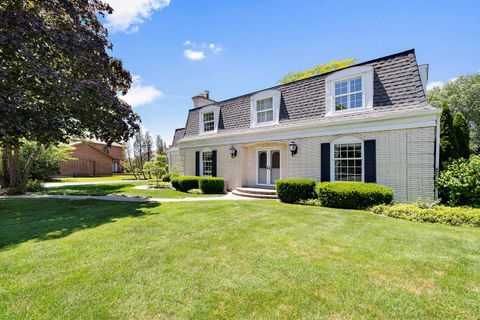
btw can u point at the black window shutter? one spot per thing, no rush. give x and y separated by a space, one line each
197 163
370 154
325 162
214 163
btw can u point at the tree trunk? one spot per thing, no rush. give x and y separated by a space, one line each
5 174
29 163
15 177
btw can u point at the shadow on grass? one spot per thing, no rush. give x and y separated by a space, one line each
26 219
88 190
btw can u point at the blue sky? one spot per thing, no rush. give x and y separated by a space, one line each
176 49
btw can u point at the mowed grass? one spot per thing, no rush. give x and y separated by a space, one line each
116 177
64 259
126 189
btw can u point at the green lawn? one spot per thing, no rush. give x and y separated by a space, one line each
91 179
126 189
64 259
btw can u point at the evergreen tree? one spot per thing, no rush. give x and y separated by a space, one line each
161 145
148 146
448 144
462 134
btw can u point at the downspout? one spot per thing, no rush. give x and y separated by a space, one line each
437 154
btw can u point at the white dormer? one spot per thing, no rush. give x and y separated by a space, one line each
208 119
349 90
265 108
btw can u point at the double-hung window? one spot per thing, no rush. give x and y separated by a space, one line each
348 161
208 121
349 90
349 94
207 163
265 110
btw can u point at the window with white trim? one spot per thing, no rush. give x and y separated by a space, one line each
207 163
208 117
349 94
349 90
348 161
265 110
208 121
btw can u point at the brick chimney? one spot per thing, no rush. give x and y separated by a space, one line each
202 99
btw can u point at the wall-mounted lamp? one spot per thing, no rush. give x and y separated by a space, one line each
293 148
233 152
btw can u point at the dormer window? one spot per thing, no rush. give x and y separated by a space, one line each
348 94
349 90
265 108
208 119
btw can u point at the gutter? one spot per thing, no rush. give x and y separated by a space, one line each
288 129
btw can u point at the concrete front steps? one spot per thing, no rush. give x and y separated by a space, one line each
259 193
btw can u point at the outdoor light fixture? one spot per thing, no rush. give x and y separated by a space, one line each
293 148
233 152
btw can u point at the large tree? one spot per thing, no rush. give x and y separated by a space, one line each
462 95
317 69
57 79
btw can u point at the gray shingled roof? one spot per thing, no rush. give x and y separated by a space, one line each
179 133
397 85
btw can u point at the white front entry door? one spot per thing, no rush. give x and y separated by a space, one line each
268 167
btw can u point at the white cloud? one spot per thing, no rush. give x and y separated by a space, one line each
440 84
431 85
215 48
140 95
200 49
194 55
128 14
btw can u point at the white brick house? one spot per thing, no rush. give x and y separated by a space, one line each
370 122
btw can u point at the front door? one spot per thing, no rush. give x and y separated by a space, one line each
268 167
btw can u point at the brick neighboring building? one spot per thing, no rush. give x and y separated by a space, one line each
93 158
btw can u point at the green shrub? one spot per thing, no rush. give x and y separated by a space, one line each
459 182
353 195
167 177
33 186
458 216
212 185
185 183
195 191
293 190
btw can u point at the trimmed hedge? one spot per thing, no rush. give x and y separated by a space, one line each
167 177
455 216
293 190
353 195
212 185
185 183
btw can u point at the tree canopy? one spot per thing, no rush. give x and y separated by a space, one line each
317 69
462 95
57 79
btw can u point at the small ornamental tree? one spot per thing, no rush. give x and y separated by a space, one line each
156 167
462 135
448 143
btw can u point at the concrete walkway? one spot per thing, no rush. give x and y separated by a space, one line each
229 196
66 184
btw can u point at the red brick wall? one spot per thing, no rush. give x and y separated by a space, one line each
90 162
